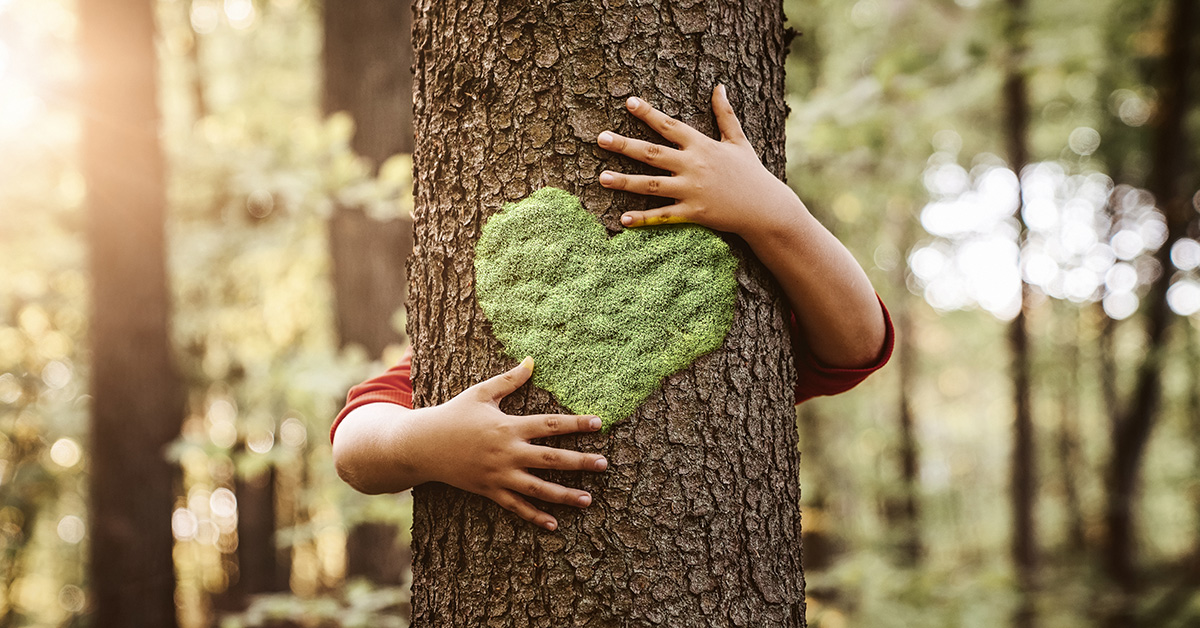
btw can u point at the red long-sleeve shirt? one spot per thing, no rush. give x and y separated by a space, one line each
813 378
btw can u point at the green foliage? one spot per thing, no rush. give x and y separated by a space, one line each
606 320
360 606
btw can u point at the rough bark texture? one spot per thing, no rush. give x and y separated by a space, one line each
696 522
137 400
367 60
1024 471
1172 183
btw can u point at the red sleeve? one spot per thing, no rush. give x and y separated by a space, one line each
815 379
394 386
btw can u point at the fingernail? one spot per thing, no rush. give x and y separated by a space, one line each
584 500
633 102
606 178
723 93
550 525
627 220
601 464
596 423
605 138
527 362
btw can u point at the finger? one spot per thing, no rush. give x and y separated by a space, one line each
539 457
516 504
668 215
539 425
656 155
727 121
666 187
549 492
666 126
505 383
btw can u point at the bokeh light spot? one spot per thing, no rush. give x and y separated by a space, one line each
71 529
66 453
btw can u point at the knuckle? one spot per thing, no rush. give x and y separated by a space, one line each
551 458
652 185
533 489
553 423
653 152
669 122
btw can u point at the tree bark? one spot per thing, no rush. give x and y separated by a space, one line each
137 400
1171 182
367 60
1024 459
696 522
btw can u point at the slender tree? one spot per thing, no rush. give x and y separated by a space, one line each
137 401
696 521
367 62
1024 459
1171 182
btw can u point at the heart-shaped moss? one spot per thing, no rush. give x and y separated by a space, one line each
605 319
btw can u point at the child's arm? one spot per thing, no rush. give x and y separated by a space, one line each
467 442
724 186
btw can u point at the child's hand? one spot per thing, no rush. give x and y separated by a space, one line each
719 184
471 444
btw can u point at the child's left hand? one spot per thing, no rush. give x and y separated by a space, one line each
719 184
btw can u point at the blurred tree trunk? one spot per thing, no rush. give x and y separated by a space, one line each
909 520
1172 182
1068 431
367 61
696 522
137 399
261 568
1024 458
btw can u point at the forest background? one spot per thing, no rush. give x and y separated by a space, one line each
926 502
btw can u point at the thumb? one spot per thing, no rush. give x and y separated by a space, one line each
507 382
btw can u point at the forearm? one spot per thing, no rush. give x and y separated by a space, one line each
375 449
835 305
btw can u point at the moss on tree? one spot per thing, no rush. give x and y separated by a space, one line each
605 319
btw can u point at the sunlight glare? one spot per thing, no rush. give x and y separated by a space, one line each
3 58
205 16
65 453
1080 284
1184 297
1127 244
1122 277
1120 305
71 529
240 13
1185 254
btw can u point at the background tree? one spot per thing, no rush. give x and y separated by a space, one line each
367 61
509 98
137 402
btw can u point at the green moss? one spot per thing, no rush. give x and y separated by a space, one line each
606 320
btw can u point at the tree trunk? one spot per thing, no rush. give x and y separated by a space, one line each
1171 182
906 345
367 68
137 400
1024 459
1068 434
696 521
260 569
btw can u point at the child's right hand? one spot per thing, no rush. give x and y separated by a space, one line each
473 445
